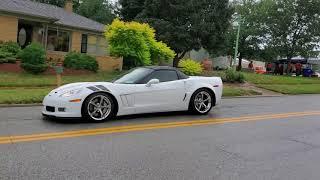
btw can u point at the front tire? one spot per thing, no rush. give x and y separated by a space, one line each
201 102
98 107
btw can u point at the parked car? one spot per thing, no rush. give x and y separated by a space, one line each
142 90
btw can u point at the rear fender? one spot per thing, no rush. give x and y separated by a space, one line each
194 88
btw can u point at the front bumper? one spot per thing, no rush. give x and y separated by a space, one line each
71 109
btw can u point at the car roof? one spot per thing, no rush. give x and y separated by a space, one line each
160 67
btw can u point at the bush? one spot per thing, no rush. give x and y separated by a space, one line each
136 42
11 60
233 76
35 69
161 52
190 67
10 47
33 58
8 52
4 54
77 60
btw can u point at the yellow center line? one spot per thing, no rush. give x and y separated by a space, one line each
130 128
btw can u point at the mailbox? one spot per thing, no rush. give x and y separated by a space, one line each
58 69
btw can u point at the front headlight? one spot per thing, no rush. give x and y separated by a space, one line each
70 93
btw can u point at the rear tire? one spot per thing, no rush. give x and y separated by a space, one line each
98 107
201 102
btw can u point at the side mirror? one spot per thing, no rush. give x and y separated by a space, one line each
152 81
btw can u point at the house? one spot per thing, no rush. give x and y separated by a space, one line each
59 30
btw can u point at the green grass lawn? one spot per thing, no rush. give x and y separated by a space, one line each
272 79
29 80
234 91
26 88
23 95
293 89
285 84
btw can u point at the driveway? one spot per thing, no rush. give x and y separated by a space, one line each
244 138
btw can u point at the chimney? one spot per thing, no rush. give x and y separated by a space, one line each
68 6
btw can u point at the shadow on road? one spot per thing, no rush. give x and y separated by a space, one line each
117 119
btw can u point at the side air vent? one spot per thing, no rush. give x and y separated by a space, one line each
102 87
93 88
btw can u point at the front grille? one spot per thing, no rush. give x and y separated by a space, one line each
50 108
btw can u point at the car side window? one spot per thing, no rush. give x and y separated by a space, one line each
163 76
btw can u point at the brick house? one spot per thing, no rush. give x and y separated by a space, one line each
59 30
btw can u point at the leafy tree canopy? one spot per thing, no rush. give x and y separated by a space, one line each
273 28
98 10
249 15
60 3
183 24
131 8
136 43
293 27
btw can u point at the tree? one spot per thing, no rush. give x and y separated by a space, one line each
98 10
60 3
250 16
293 27
130 9
136 43
185 24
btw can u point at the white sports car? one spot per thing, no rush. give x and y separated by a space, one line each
142 90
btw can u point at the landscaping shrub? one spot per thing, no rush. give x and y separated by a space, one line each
233 76
190 67
33 58
34 69
136 43
4 54
10 47
11 60
77 60
8 52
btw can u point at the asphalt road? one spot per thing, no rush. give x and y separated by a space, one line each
246 138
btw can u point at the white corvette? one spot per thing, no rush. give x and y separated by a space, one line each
143 90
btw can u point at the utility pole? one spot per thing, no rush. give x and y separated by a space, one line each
237 41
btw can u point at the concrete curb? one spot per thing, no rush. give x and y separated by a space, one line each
257 96
19 105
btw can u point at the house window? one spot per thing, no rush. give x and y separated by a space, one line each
84 43
97 45
58 40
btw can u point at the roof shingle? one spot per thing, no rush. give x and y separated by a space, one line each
51 12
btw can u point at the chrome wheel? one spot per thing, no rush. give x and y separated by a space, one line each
99 107
202 102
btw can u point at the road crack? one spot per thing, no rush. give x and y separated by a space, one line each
302 142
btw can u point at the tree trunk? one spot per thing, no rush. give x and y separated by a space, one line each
176 61
177 58
239 68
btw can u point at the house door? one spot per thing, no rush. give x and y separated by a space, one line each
24 34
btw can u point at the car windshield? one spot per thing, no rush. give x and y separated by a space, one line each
133 76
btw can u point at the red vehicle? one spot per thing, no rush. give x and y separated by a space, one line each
260 70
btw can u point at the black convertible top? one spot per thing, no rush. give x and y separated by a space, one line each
180 74
160 67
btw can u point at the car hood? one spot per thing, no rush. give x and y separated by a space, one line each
78 85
